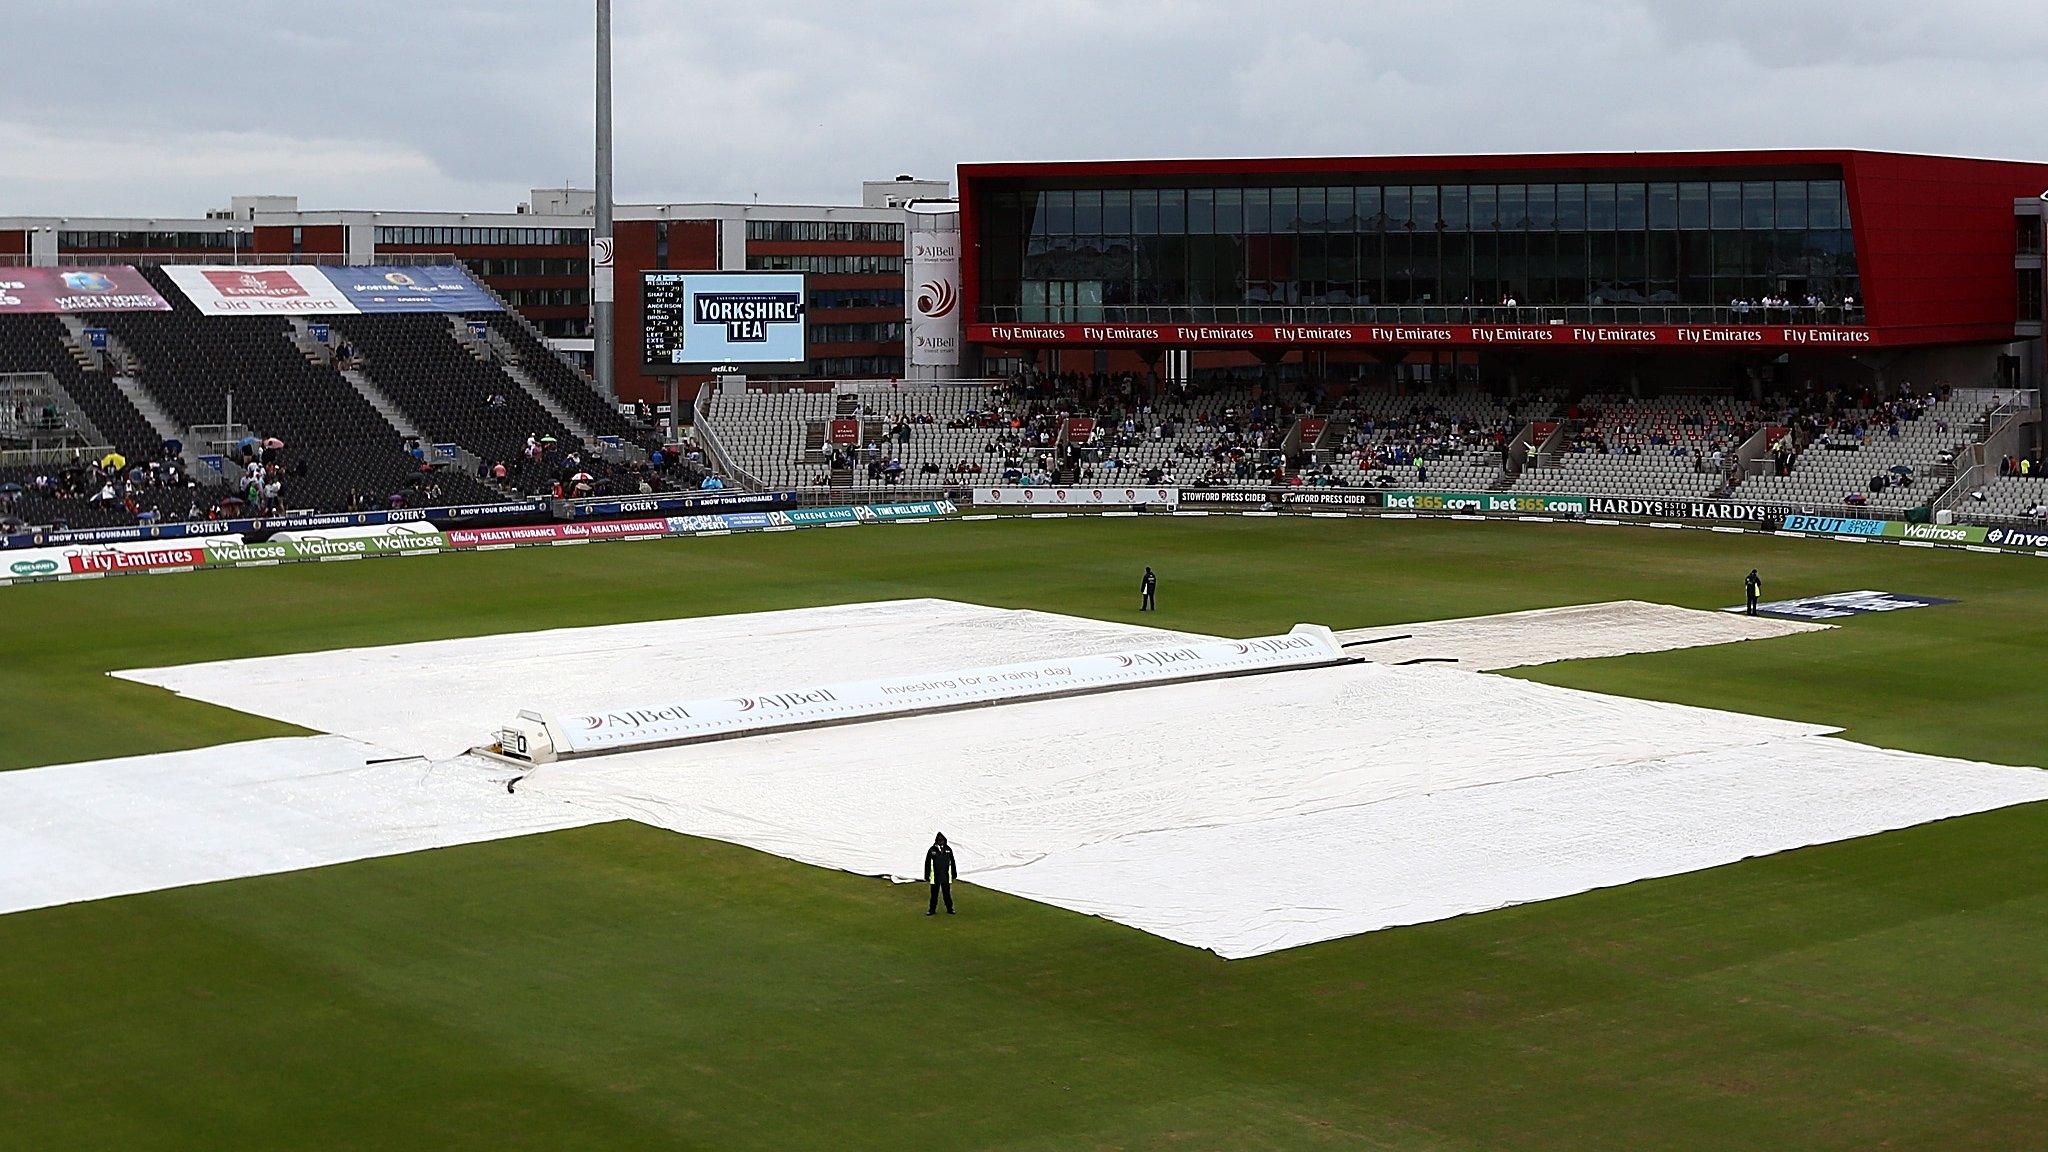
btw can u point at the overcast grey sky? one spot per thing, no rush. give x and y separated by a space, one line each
170 106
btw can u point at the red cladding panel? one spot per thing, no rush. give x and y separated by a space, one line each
1934 241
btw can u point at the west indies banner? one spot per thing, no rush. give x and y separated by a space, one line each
116 288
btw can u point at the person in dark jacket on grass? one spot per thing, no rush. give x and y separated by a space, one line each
939 872
1753 588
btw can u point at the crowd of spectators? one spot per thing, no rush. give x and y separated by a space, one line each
1425 432
543 466
112 489
1807 309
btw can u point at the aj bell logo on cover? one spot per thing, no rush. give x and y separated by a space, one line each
747 315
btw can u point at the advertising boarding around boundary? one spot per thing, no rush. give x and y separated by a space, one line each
1076 497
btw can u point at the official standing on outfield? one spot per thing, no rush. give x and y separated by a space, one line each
1147 587
939 871
1754 586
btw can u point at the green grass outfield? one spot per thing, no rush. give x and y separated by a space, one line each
623 987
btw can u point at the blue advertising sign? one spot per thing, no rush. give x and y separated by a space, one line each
1834 526
599 506
320 332
722 321
480 329
97 337
447 451
214 461
427 288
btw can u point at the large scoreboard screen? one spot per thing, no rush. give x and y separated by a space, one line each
722 322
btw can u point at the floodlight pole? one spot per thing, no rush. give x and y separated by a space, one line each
601 236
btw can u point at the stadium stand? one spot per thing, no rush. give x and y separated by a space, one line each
568 387
1889 455
444 388
501 395
37 343
784 439
2016 499
82 494
764 434
338 451
1664 446
1834 450
1455 440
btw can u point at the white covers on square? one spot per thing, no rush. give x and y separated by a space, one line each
1243 815
111 827
1251 815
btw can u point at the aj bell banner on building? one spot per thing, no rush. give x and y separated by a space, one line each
296 290
934 299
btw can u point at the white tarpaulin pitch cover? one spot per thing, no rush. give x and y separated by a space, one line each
1243 815
111 827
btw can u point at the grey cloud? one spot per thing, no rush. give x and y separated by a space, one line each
171 107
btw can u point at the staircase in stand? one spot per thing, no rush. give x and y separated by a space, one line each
541 397
302 338
160 420
75 343
124 368
385 406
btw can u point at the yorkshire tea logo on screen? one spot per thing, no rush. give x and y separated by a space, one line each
747 316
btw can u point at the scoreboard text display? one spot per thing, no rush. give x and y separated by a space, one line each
722 322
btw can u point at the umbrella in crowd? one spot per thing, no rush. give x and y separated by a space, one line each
113 460
1903 469
547 439
273 442
581 476
10 486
